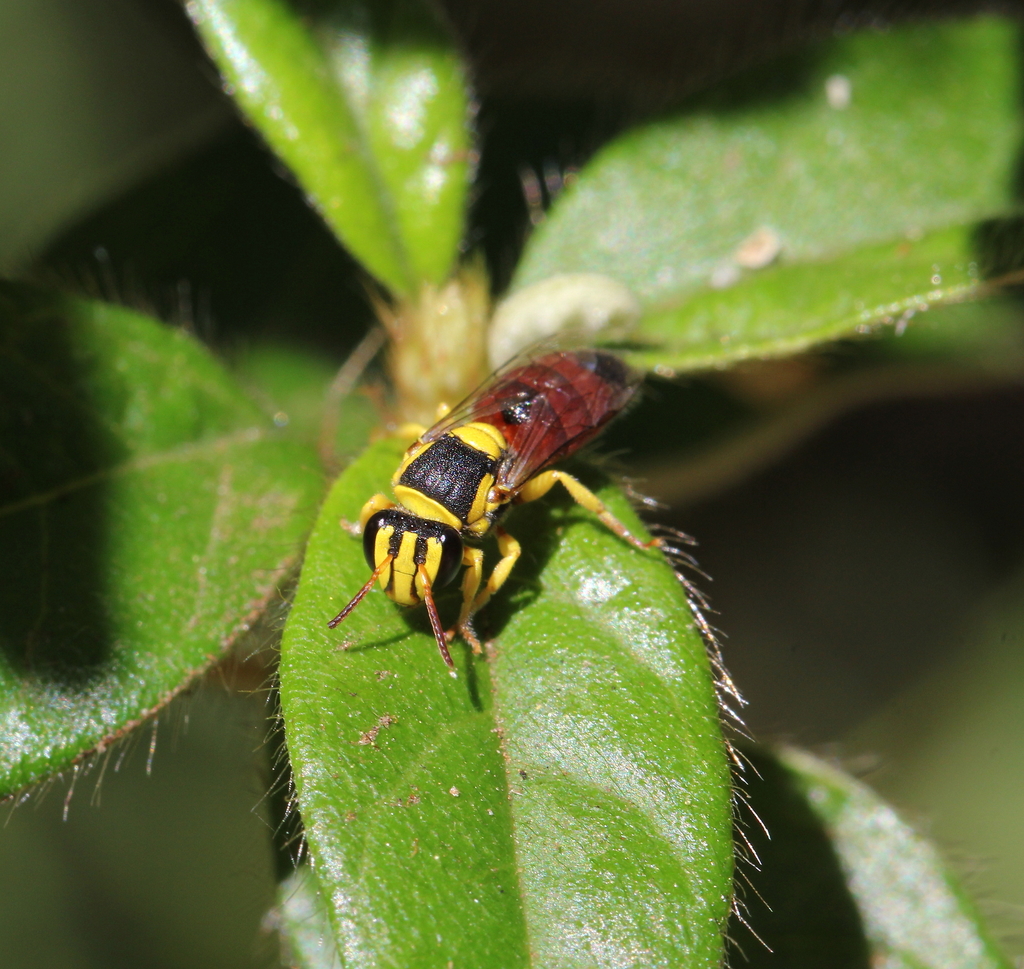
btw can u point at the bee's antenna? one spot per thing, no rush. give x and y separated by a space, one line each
435 621
358 597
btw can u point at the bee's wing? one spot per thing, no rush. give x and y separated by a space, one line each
500 391
571 401
547 403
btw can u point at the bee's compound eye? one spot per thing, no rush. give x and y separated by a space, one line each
451 555
373 525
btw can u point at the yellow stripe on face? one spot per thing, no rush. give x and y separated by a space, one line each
482 437
381 545
432 565
403 572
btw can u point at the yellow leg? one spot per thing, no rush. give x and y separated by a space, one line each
409 432
377 503
413 432
510 551
540 485
473 559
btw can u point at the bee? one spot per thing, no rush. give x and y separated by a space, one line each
460 477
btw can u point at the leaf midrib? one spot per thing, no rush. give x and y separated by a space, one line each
184 452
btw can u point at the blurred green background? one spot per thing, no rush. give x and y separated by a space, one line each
866 573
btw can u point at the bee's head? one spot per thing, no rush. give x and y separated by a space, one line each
411 542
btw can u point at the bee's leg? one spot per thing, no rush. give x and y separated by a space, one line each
409 431
377 503
540 485
473 559
510 551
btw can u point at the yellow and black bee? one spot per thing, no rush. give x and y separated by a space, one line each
460 477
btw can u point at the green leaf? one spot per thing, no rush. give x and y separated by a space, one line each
871 205
367 104
787 309
147 510
914 915
565 803
291 385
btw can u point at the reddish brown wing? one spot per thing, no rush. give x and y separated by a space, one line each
546 407
494 395
576 395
